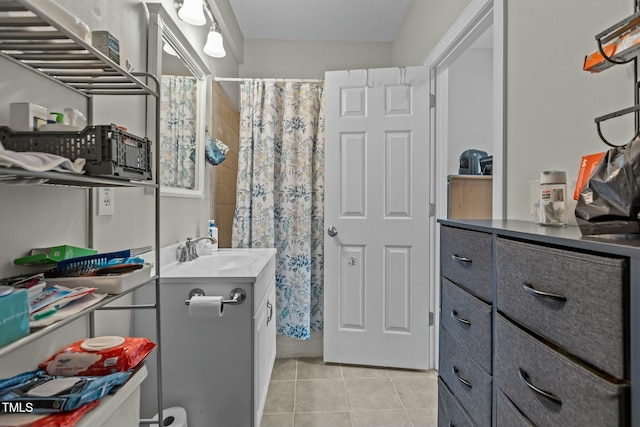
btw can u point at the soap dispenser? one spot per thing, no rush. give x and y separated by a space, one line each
213 232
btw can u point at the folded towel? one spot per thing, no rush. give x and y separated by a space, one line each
40 162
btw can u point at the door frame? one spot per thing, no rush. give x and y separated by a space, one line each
472 22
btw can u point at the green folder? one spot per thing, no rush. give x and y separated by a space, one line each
43 256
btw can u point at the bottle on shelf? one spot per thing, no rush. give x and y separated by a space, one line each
213 232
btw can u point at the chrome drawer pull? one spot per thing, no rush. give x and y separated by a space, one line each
454 314
461 258
556 297
462 380
523 377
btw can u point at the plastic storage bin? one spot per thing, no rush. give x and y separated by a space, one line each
109 151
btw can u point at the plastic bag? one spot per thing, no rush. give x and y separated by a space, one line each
609 203
213 154
98 356
214 150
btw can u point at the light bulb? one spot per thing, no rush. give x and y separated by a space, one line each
192 12
214 46
169 49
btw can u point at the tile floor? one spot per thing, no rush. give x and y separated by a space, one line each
308 393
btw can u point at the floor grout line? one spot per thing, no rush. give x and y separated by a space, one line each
295 392
401 401
350 410
344 383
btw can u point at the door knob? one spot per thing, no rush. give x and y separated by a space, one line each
332 231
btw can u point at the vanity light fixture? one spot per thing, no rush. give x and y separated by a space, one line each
192 12
214 46
169 49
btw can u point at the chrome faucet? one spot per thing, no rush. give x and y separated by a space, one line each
188 252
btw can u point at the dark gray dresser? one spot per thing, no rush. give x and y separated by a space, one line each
536 326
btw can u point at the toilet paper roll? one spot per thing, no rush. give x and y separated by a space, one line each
175 416
205 306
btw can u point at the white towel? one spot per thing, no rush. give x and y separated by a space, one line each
40 162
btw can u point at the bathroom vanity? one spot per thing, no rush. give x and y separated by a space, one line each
536 326
218 368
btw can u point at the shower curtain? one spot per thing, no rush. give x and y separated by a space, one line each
280 194
177 131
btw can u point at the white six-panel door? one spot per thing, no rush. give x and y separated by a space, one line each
376 281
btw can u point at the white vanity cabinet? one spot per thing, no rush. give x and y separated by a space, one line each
264 349
218 367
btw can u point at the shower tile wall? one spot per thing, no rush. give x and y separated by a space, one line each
226 128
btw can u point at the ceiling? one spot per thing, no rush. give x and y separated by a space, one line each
321 20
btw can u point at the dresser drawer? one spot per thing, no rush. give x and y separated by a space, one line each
466 379
466 259
507 413
450 412
584 314
550 389
468 321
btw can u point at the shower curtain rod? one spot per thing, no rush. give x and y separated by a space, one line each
240 79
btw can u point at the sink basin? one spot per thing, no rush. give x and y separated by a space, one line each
231 263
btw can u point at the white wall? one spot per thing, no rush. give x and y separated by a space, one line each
425 24
45 216
300 59
551 102
470 105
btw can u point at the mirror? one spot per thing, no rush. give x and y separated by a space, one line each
183 86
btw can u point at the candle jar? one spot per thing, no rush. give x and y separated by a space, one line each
553 198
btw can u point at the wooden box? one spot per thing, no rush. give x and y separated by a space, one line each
470 197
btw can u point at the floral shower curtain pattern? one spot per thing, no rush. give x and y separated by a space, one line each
280 194
177 131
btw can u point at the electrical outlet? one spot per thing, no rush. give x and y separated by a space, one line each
105 201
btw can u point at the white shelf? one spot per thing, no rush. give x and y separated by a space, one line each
43 41
121 408
74 180
48 329
43 37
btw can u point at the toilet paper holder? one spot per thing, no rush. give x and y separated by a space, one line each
236 296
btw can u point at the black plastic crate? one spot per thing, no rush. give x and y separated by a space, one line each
109 151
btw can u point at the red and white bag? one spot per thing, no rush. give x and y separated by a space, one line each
98 356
